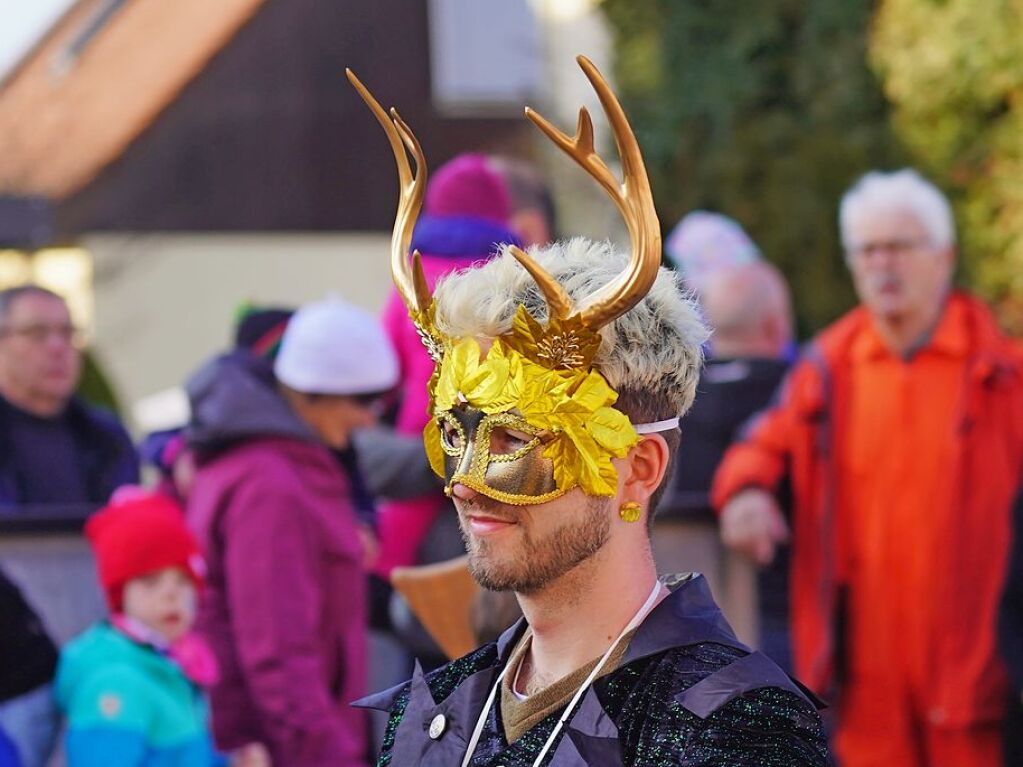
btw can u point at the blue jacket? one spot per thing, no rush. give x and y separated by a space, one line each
128 705
8 752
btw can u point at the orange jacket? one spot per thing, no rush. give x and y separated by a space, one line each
799 439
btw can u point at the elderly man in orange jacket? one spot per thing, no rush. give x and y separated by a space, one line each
900 432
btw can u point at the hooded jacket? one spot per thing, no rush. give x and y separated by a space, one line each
284 609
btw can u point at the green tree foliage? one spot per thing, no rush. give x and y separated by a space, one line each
953 69
765 111
94 386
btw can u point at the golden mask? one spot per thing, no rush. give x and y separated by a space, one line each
530 419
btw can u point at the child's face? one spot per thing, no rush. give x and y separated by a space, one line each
164 600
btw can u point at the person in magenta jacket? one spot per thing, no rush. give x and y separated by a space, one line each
466 216
285 607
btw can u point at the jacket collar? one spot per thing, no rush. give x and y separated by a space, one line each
950 336
687 615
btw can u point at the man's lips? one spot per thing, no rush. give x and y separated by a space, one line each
484 524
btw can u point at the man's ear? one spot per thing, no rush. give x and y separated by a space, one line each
646 465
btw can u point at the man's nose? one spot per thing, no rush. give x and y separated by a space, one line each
462 492
56 342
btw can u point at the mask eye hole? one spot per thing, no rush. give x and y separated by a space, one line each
506 441
451 435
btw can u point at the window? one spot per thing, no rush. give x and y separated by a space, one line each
485 56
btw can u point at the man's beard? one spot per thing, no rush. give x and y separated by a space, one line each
537 563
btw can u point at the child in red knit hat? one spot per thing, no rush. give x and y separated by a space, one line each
131 686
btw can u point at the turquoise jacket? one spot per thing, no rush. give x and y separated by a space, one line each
129 705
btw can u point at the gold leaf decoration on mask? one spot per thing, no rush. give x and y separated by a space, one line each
573 405
434 451
562 344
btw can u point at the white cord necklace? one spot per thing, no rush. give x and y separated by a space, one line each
481 722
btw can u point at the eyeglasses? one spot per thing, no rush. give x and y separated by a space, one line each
376 402
40 334
897 247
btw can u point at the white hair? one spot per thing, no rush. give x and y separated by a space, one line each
651 355
904 190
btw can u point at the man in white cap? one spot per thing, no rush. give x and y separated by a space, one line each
285 604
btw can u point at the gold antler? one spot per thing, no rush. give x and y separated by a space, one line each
408 277
634 200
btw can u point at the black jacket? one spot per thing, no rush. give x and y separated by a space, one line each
28 657
729 393
687 694
106 452
1010 624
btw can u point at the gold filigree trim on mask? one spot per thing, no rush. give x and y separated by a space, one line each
518 423
430 339
500 495
445 443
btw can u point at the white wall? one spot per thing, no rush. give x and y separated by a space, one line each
166 302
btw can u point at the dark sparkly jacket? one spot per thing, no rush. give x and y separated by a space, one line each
686 693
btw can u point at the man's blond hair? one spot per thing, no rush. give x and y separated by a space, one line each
651 353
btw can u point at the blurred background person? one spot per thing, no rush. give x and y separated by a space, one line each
703 243
260 331
132 685
534 217
56 454
285 605
55 448
748 309
901 431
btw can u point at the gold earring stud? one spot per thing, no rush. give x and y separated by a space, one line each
630 511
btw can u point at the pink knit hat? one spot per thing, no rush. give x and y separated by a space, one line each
468 186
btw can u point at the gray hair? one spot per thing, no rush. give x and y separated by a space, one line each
651 355
10 295
904 190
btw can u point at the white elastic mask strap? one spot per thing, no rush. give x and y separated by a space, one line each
649 428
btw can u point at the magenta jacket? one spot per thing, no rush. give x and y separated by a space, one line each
285 603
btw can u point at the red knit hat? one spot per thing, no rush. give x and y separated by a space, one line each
139 532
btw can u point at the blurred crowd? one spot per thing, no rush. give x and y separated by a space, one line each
871 475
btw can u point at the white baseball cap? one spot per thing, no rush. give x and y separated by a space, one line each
332 347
